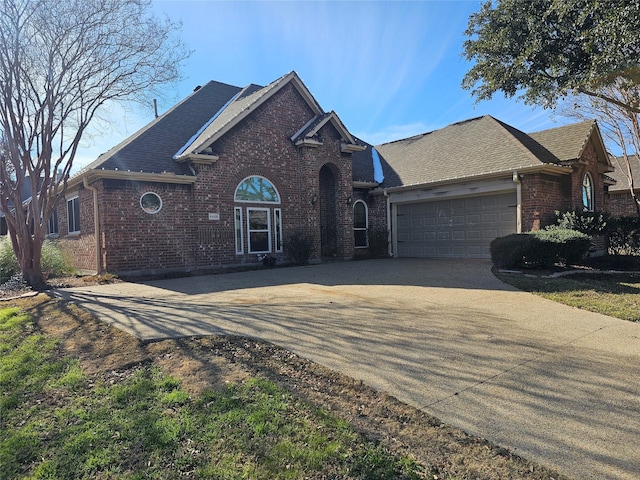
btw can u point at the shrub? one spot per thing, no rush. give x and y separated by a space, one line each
299 247
509 251
558 246
624 236
542 248
379 243
8 262
591 223
55 262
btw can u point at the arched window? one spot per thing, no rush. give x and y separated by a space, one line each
360 224
257 190
262 225
587 193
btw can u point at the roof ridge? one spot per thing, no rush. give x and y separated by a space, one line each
558 127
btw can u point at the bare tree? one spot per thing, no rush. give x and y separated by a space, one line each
619 122
60 62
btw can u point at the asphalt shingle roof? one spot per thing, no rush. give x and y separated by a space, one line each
474 147
566 142
363 165
152 148
620 175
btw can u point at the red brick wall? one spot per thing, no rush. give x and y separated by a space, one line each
543 194
182 236
600 203
81 247
261 145
133 240
621 204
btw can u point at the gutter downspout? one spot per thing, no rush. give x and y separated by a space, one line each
516 180
389 226
96 221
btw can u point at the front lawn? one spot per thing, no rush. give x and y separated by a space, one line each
59 423
617 295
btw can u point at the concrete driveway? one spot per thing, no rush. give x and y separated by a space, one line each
553 384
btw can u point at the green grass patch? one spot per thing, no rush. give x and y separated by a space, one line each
617 295
58 423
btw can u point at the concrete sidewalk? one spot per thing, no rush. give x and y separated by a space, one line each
552 383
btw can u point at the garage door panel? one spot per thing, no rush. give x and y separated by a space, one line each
462 227
458 235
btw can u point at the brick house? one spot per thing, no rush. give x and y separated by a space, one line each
452 191
621 202
227 174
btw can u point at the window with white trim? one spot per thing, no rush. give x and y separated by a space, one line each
238 228
73 214
256 189
151 202
587 193
360 224
258 230
277 216
259 224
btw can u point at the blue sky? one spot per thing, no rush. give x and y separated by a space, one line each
389 69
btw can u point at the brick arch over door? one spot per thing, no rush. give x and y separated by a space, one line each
329 187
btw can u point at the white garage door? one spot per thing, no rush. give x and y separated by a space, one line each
462 227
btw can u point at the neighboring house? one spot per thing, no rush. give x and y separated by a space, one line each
229 173
621 203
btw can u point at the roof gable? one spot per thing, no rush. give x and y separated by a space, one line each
566 142
306 135
239 108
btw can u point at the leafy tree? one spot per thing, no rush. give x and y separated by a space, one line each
548 50
544 49
60 62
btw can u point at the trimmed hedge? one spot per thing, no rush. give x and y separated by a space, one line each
543 248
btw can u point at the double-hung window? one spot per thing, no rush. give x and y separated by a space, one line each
73 214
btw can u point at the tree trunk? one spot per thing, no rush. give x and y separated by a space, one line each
29 255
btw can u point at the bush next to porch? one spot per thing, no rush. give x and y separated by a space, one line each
539 249
299 247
